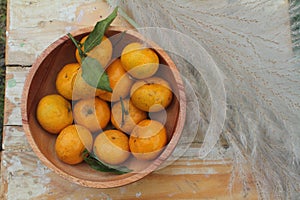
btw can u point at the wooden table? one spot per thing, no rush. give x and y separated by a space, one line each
32 26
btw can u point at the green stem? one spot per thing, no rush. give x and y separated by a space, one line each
124 111
78 46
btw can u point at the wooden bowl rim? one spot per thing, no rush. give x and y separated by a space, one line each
135 176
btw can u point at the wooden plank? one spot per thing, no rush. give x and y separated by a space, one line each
14 139
42 22
15 78
24 177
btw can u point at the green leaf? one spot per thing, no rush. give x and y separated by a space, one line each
94 74
92 71
91 159
97 33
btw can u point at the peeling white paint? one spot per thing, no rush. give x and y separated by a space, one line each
42 172
103 195
58 15
15 166
14 138
68 28
138 194
66 12
80 16
13 96
23 184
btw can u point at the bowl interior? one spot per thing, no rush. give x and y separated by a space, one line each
41 82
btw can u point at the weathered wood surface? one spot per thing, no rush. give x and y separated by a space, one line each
32 26
26 178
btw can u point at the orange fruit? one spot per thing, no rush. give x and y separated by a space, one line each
65 79
147 139
119 82
152 94
71 142
92 113
54 113
101 52
82 90
139 61
126 121
111 147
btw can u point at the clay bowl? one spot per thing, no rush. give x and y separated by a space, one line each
41 82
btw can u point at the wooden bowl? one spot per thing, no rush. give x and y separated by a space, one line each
41 82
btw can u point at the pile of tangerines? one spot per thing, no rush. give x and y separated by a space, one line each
113 125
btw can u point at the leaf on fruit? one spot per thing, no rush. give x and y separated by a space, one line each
95 37
92 71
91 159
94 74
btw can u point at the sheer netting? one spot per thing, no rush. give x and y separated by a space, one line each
242 76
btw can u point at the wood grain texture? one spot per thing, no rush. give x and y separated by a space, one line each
24 173
14 139
33 25
15 78
41 22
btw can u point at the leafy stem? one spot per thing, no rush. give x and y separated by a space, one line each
92 70
78 46
97 33
91 159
